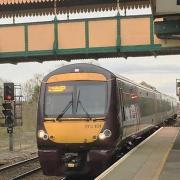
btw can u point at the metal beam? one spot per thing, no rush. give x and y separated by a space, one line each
87 38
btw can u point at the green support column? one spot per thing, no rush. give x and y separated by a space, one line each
87 34
118 41
55 45
152 30
26 39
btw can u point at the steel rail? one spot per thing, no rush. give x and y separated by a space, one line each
18 163
26 173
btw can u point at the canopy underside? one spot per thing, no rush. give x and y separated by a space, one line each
9 8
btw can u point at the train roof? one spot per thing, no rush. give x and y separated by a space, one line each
87 67
120 77
95 68
83 67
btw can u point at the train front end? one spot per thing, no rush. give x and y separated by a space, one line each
74 133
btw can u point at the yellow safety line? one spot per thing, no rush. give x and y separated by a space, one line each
158 172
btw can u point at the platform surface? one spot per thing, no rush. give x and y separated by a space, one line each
156 158
171 170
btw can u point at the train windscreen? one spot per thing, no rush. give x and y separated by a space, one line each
77 99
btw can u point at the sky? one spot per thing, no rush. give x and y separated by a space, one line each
161 72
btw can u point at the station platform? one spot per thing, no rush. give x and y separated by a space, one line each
156 158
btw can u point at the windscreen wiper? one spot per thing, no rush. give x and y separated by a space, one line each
64 111
84 109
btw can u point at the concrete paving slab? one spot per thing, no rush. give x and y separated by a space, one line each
147 161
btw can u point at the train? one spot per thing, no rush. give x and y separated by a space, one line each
86 113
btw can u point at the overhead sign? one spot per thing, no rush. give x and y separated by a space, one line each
55 89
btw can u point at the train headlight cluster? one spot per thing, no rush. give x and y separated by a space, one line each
105 134
43 135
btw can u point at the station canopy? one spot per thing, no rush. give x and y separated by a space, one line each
9 8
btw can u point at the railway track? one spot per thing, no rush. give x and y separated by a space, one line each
20 169
31 167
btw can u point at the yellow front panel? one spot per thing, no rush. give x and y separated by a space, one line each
77 77
73 131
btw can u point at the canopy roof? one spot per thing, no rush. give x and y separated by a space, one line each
10 8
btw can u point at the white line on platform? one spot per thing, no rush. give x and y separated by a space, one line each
107 171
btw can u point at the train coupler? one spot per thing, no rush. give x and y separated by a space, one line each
72 160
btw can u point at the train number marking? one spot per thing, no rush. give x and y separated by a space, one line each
90 126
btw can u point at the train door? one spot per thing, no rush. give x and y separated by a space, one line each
155 118
121 111
137 113
158 107
131 110
121 115
161 108
135 110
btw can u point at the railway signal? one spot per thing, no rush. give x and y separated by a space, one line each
8 113
12 109
178 87
9 91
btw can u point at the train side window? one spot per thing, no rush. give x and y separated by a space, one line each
146 106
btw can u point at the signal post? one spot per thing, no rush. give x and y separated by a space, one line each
8 111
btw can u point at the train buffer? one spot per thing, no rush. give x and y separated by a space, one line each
157 158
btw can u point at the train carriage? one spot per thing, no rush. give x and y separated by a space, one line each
85 112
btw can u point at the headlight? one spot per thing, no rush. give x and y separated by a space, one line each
102 136
43 135
105 134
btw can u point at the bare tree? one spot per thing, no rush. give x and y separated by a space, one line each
31 88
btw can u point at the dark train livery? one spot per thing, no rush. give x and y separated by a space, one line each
86 112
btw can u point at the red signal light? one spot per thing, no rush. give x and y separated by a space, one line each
9 91
8 97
